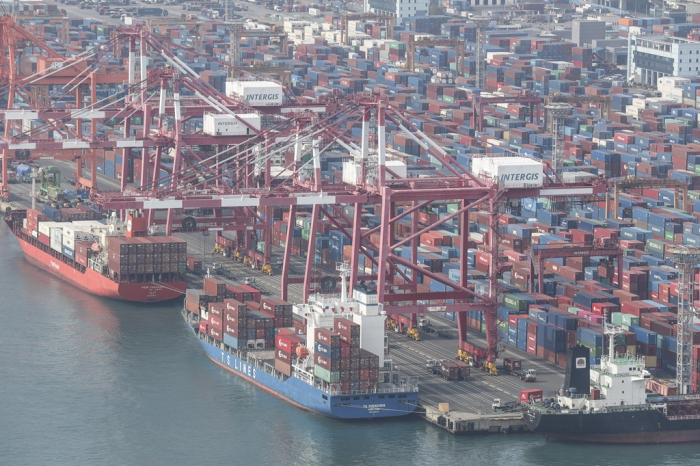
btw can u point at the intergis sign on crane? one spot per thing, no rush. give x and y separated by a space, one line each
256 93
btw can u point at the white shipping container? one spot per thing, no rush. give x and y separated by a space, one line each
56 233
398 167
56 245
256 93
87 225
351 172
68 242
45 227
228 125
510 172
77 232
315 12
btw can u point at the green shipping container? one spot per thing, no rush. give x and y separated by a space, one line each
630 320
452 208
483 327
324 374
573 310
669 235
516 302
321 373
655 245
305 233
616 318
447 99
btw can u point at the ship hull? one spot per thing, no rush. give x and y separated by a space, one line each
100 285
646 426
303 395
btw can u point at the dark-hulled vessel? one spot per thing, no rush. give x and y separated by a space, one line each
608 403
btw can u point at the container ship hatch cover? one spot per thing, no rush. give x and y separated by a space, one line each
112 259
335 364
608 403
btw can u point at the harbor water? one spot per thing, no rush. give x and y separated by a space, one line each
89 381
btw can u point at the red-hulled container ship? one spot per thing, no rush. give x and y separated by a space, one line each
113 259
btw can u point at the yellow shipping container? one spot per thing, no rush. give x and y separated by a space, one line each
650 361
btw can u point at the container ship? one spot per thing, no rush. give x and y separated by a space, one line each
332 360
608 403
112 259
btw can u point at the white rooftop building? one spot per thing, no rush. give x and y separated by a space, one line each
656 56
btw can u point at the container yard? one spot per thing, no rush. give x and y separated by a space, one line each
492 190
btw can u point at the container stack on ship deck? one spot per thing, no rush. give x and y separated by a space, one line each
114 259
327 371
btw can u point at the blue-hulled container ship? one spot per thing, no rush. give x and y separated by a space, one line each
335 364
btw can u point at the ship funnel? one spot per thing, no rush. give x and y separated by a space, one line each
578 370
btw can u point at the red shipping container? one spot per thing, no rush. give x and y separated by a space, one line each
299 327
283 367
216 309
214 287
327 337
601 308
287 343
283 356
513 319
203 327
215 333
215 322
322 361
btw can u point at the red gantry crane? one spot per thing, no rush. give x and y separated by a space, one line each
228 182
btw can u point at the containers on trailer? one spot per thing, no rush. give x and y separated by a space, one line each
528 396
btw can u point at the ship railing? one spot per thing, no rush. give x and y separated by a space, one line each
369 391
621 374
683 417
680 398
640 407
623 359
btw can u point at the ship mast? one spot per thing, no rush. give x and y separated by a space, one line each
344 271
612 331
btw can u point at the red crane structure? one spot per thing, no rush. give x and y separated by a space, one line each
234 187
